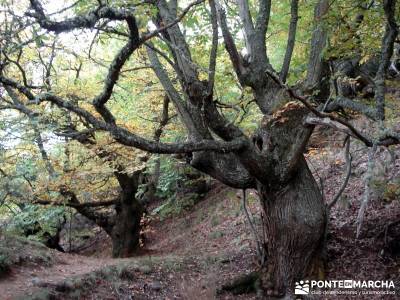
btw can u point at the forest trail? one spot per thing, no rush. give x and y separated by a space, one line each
186 245
24 280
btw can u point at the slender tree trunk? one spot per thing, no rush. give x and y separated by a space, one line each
295 222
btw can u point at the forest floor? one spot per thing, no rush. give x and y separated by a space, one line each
190 256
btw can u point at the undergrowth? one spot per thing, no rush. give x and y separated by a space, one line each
17 250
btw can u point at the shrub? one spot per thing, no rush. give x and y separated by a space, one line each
391 191
4 265
34 221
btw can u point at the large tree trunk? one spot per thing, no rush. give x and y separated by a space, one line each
294 211
125 233
295 222
123 227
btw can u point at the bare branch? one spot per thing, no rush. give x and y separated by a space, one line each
230 46
174 22
257 239
129 139
65 8
88 21
126 137
214 48
177 42
164 119
303 100
245 16
164 56
367 189
50 65
20 68
78 22
348 173
171 90
38 136
115 71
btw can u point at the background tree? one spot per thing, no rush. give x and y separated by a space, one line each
68 186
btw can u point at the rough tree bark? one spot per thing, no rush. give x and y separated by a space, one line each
295 228
123 227
125 233
293 207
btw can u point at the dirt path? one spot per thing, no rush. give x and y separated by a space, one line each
186 257
25 280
